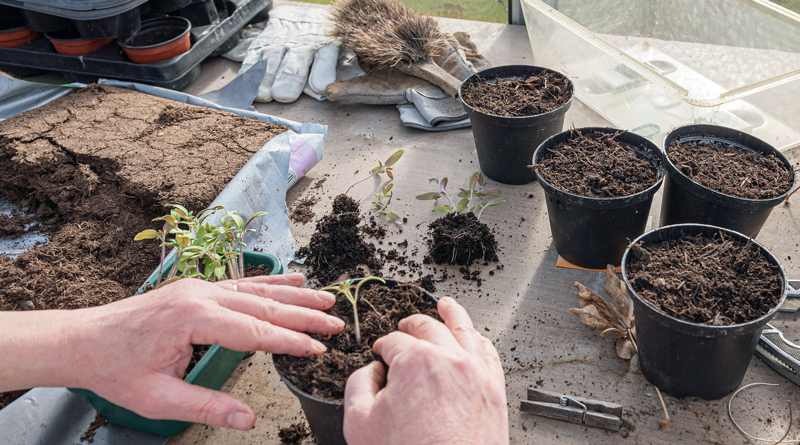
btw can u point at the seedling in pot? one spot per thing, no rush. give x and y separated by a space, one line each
203 250
476 189
345 288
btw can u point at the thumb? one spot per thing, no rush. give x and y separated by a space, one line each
360 391
174 399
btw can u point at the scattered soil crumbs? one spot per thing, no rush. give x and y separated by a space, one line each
732 170
716 281
301 210
597 165
294 433
99 421
15 224
95 167
537 94
380 308
460 238
7 397
337 246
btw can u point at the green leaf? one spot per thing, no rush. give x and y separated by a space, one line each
146 234
443 209
394 158
429 196
463 193
495 202
473 181
376 169
481 180
389 174
443 184
393 217
493 192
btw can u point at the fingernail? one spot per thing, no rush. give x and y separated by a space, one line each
335 323
317 348
325 297
240 420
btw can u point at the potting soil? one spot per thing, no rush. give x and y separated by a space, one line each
380 309
732 170
96 167
716 281
597 165
534 95
460 238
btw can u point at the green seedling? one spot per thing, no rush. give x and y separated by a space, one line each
203 250
486 197
383 167
344 288
381 204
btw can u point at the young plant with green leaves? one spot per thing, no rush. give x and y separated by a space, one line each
383 167
203 250
345 288
475 198
381 204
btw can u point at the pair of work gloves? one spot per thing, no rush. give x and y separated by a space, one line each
302 57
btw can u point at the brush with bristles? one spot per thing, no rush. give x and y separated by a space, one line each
385 33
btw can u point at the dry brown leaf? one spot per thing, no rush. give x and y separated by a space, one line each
587 296
625 349
615 288
590 316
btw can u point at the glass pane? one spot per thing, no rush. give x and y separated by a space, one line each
484 10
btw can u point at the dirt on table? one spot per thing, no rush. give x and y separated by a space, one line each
294 433
732 170
460 238
337 246
717 281
301 210
380 309
538 94
597 165
96 167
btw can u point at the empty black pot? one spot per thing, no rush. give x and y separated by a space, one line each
325 417
594 232
687 201
690 359
505 144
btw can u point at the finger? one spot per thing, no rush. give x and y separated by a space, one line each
459 323
292 74
291 279
323 68
426 328
296 318
173 399
294 296
392 344
241 332
359 396
273 54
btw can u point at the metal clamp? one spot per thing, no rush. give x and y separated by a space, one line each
564 401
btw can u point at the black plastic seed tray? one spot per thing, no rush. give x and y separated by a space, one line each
76 9
111 62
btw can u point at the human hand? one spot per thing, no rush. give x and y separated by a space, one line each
445 385
300 54
134 352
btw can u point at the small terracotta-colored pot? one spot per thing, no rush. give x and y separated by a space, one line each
159 39
69 42
16 37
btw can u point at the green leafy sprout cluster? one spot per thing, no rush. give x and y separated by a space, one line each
345 288
203 250
475 198
384 197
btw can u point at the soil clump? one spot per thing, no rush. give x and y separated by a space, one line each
717 281
294 433
597 165
15 224
460 238
380 309
538 94
731 170
301 210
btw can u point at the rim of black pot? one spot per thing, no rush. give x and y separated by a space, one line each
655 156
704 132
705 227
69 34
171 21
538 69
294 388
18 28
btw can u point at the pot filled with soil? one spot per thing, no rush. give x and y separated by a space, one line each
512 110
159 39
599 184
701 297
319 381
722 177
209 368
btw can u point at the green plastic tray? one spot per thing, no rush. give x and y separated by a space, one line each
210 372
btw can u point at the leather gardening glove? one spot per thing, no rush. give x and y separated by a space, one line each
301 55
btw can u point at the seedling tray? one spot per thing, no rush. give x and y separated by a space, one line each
111 61
76 9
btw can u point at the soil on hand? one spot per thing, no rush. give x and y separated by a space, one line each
460 238
98 422
538 94
337 246
301 210
597 165
96 167
380 309
716 281
731 170
294 433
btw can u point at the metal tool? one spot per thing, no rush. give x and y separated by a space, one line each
780 354
587 412
792 303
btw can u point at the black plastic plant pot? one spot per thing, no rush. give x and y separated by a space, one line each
41 22
166 6
121 26
687 359
326 417
687 201
594 232
505 144
10 18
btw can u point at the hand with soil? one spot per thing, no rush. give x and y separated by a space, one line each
445 385
134 352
